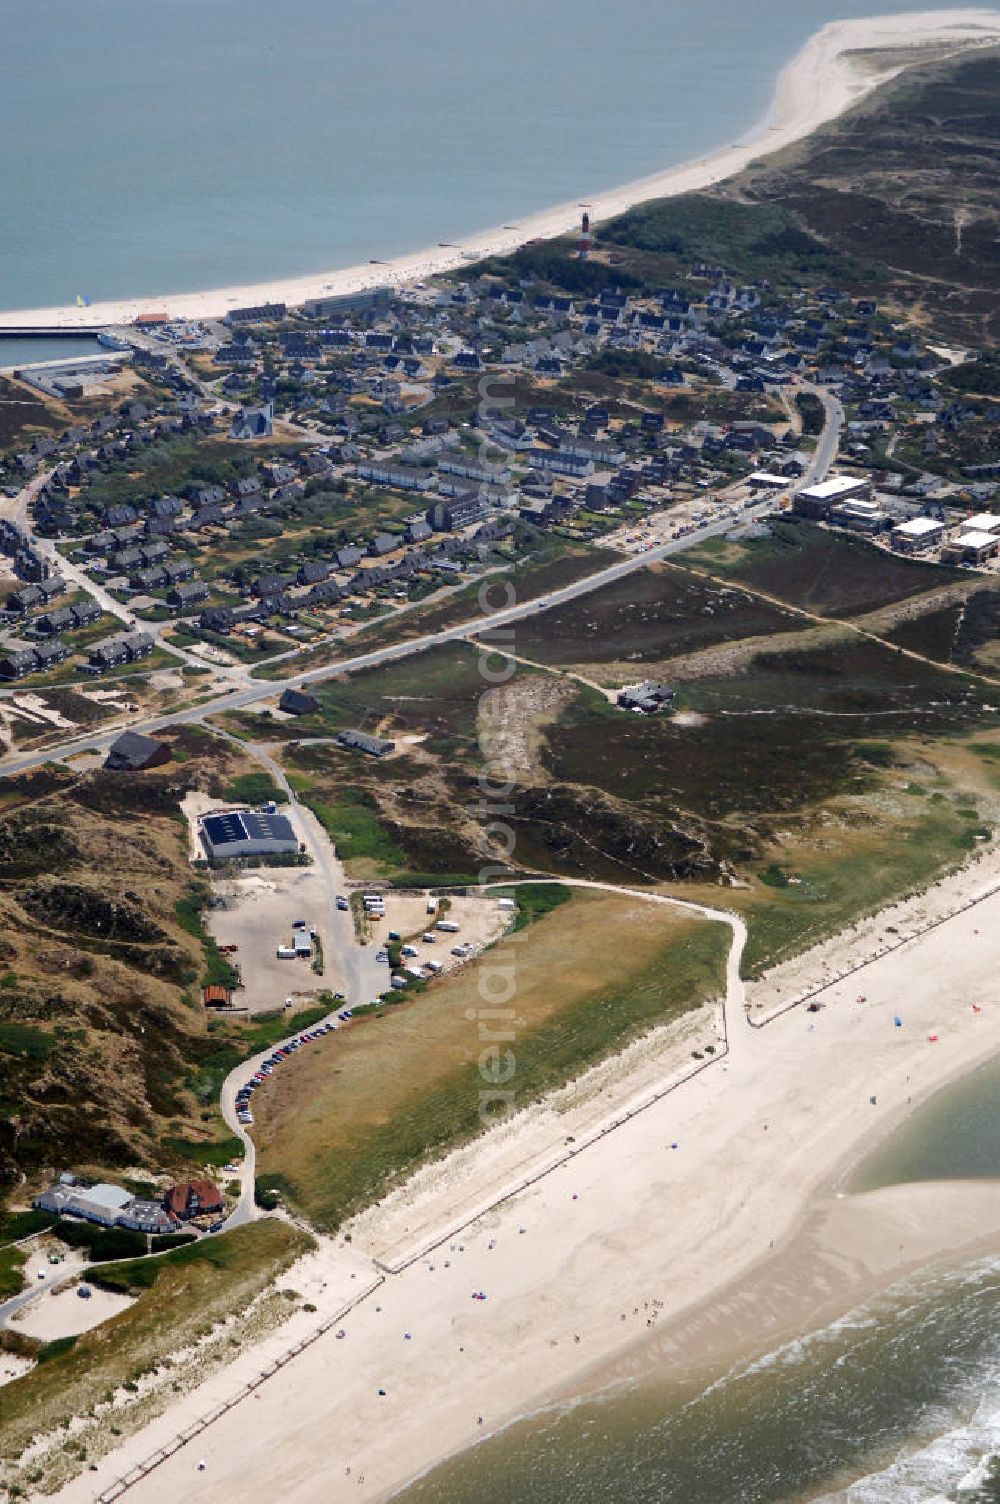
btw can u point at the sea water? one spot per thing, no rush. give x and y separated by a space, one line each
954 1136
157 146
896 1403
23 352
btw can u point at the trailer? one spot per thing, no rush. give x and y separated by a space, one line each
432 904
285 953
448 926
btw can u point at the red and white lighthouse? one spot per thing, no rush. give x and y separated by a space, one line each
585 236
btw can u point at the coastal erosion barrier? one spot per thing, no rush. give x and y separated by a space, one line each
611 1126
121 1485
135 1475
181 1439
56 331
162 1454
876 955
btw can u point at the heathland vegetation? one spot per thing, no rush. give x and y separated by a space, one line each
803 737
834 740
107 1055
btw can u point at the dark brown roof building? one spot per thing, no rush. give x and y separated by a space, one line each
193 1198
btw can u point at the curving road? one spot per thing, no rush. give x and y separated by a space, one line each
825 453
735 996
266 689
364 977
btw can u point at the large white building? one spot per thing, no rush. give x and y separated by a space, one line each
919 532
816 501
971 547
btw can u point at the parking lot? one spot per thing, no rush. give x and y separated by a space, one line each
256 912
689 517
480 919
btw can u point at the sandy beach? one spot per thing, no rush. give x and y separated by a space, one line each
708 1226
820 83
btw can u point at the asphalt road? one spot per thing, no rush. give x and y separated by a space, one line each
827 447
360 968
364 977
828 443
39 1287
266 689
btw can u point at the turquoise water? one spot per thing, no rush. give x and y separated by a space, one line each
955 1136
169 145
898 1403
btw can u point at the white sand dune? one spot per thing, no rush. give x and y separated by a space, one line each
824 80
64 1312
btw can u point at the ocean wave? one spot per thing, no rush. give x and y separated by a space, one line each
952 1468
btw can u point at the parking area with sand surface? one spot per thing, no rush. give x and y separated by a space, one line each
480 919
256 912
65 1312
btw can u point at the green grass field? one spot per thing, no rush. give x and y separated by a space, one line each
352 823
858 872
591 973
12 1262
255 788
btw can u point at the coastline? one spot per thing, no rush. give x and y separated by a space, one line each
634 1256
823 80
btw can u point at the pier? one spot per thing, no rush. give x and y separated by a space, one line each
52 331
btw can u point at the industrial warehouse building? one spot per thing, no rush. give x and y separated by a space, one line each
246 833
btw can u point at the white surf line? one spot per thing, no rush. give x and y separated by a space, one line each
735 993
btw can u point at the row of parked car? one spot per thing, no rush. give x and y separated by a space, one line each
281 1053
